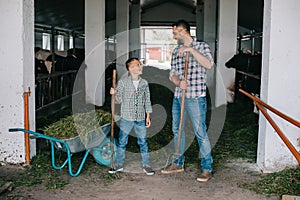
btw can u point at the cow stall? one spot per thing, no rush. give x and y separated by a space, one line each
59 54
247 64
56 69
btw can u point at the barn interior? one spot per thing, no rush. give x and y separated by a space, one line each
56 19
59 14
55 63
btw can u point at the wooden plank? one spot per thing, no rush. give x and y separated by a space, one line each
290 197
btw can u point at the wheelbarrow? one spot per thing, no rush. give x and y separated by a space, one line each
98 144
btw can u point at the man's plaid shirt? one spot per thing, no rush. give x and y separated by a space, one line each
196 76
134 103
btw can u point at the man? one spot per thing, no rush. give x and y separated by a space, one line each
200 59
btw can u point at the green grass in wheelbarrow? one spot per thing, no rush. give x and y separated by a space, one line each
77 124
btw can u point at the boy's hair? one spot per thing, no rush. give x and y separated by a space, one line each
129 61
184 24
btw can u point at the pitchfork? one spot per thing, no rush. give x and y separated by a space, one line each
112 146
177 154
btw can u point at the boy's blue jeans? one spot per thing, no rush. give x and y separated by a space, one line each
196 108
140 131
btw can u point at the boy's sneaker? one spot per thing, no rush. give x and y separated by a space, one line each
173 168
205 176
148 170
116 169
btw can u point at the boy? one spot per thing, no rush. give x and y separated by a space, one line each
133 93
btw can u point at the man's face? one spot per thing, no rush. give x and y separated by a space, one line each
181 33
175 32
135 67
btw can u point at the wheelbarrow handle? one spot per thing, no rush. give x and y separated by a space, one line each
14 129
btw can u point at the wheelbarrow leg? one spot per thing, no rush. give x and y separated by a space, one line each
68 160
53 158
80 166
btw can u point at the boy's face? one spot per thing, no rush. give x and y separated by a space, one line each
135 67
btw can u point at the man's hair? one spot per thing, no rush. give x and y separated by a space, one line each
129 61
184 24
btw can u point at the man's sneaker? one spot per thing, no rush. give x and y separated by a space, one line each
116 169
205 176
173 168
148 170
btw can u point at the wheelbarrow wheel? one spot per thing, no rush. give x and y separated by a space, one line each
103 152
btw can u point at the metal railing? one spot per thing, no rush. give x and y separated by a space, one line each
51 88
261 106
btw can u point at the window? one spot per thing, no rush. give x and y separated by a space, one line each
71 45
46 41
158 44
60 43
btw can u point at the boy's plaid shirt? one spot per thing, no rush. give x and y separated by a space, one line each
196 76
134 103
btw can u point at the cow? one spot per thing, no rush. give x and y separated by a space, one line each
246 62
40 67
248 68
72 61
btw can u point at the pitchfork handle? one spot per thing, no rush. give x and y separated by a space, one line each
182 104
114 78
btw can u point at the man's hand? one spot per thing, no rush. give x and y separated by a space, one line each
184 49
183 85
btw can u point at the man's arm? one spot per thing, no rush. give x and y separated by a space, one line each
201 59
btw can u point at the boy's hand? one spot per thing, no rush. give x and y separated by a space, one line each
148 121
112 91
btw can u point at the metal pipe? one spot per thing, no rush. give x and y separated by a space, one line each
259 104
252 42
52 48
74 41
26 126
280 114
279 132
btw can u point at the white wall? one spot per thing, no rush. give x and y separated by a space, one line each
16 75
122 36
209 36
280 82
227 32
95 51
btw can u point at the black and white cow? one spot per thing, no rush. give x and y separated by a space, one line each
44 60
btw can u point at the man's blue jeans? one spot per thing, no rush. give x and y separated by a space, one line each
196 108
140 131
